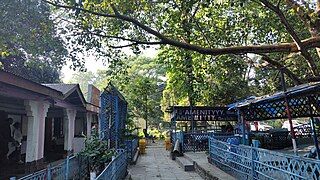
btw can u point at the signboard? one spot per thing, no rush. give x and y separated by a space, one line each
201 113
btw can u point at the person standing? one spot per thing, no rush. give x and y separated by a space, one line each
15 144
229 127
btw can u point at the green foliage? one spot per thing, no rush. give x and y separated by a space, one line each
194 78
29 43
96 152
139 79
278 123
216 81
84 79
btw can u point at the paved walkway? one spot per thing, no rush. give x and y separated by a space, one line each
202 162
156 164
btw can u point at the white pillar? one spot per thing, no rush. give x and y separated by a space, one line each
36 113
89 121
69 120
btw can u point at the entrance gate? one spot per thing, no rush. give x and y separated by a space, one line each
192 126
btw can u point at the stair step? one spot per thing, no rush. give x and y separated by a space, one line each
186 164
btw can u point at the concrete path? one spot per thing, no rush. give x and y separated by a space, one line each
202 165
156 164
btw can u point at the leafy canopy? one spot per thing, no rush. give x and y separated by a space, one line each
29 42
219 35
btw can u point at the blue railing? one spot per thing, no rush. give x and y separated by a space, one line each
198 141
131 147
116 169
39 175
73 167
245 162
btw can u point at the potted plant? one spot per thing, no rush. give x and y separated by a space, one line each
97 154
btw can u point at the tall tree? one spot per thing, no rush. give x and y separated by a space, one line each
84 79
29 43
140 81
268 28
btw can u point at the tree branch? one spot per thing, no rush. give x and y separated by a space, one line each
80 9
278 4
127 39
283 47
123 46
292 76
115 10
283 21
295 37
303 15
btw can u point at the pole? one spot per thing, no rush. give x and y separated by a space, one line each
294 143
293 135
175 125
109 123
314 135
192 120
67 168
243 131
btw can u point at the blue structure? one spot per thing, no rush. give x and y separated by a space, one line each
296 102
117 168
113 116
74 167
193 136
131 148
245 162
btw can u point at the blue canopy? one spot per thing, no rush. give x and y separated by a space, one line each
291 92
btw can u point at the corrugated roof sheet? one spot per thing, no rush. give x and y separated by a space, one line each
64 88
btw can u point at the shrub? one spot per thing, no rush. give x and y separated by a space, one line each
96 153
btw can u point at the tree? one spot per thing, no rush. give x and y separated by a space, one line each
217 81
29 43
84 79
261 27
140 82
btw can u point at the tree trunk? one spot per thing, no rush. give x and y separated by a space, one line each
314 31
145 111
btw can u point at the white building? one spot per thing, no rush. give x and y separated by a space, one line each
53 117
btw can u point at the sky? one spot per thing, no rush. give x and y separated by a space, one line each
92 65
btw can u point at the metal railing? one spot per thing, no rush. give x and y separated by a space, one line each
131 147
245 162
39 175
195 142
73 167
198 141
116 169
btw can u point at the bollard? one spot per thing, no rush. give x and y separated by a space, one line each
142 146
167 144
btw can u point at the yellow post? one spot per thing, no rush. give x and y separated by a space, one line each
167 144
142 146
